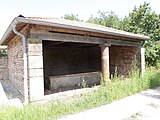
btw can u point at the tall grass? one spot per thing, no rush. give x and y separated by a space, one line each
119 88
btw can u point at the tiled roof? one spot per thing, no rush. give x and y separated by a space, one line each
84 25
63 23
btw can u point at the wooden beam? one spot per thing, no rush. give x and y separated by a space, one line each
80 39
58 43
79 32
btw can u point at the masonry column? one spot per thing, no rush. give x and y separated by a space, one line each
35 65
142 50
105 62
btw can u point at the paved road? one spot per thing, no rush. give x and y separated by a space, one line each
142 106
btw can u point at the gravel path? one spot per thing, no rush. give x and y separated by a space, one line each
142 106
9 96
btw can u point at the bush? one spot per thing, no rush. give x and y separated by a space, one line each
3 52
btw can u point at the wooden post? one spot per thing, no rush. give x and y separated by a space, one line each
105 62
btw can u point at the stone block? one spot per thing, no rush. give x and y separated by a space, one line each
35 72
34 41
34 53
36 88
74 80
35 61
34 47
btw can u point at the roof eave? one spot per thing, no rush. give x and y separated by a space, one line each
24 20
29 21
8 31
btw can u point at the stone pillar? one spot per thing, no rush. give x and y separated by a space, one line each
35 65
142 50
105 62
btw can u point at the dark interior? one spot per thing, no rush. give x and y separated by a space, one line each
63 58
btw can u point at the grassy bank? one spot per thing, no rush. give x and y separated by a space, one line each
119 88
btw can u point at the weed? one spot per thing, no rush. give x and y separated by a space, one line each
83 83
119 88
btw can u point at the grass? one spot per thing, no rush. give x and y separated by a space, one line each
119 88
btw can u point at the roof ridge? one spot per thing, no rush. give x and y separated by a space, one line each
41 18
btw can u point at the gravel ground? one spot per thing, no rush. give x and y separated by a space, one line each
141 106
9 96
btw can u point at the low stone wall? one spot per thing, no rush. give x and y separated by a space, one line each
73 81
4 67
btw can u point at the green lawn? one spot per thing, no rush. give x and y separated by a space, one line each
119 88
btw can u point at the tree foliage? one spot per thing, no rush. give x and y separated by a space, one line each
3 52
108 19
71 17
142 20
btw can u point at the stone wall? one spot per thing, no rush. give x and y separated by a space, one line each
15 63
74 81
122 58
3 67
69 58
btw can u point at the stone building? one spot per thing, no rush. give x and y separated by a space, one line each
56 54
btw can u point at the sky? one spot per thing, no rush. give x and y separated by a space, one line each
58 8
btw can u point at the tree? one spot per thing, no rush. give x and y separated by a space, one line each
108 19
71 17
143 20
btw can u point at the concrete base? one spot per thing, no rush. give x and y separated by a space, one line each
72 81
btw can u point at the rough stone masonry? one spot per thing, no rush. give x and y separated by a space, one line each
3 65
